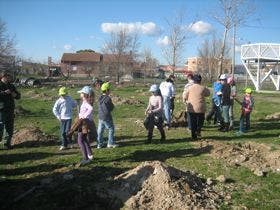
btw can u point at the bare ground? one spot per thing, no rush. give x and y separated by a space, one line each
154 185
31 136
259 158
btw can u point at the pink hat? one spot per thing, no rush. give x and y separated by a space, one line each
230 80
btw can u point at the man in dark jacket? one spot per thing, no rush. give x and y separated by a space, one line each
8 93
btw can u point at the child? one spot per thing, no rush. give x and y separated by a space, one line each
154 113
62 109
106 106
246 108
85 114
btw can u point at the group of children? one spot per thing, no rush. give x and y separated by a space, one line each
86 128
224 95
84 123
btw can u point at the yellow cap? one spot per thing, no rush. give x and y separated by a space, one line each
105 86
248 90
62 91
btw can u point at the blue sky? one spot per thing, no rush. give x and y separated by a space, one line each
51 27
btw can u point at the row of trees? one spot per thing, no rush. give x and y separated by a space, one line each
231 14
123 46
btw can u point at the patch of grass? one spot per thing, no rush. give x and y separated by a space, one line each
24 168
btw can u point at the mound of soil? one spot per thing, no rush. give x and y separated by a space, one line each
154 185
117 100
256 157
179 120
31 136
275 116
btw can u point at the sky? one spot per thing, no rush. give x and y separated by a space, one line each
45 28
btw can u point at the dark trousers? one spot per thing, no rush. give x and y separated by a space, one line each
215 111
84 145
197 120
6 127
151 123
246 117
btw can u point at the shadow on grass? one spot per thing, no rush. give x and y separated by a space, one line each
31 169
152 154
36 144
259 130
58 193
13 158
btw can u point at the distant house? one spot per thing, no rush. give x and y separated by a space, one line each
97 64
179 71
198 64
80 64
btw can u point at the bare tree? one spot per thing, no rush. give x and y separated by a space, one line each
150 63
121 49
209 52
233 13
177 39
7 48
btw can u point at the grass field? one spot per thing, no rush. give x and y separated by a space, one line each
24 168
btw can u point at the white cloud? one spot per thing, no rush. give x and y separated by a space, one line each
200 27
67 46
163 41
148 28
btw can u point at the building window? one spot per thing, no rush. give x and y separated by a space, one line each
74 68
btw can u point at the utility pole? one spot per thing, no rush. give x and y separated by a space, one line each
233 53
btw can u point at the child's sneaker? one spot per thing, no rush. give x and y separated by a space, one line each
90 157
69 146
99 146
112 145
62 148
84 162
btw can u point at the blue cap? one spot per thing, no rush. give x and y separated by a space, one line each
153 88
86 90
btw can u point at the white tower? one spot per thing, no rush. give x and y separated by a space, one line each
261 61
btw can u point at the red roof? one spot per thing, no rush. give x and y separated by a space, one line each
82 56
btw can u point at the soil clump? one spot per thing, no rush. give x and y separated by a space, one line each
31 136
154 185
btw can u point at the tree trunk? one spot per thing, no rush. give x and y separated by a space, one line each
221 59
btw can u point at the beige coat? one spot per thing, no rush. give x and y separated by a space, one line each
194 97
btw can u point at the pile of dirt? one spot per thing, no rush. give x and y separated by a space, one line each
154 185
179 120
259 158
117 100
275 116
19 110
31 136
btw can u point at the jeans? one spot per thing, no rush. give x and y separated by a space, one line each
197 120
166 109
65 126
245 116
102 124
225 110
231 119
